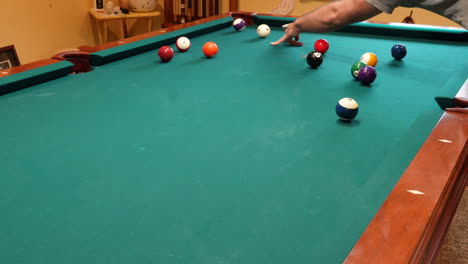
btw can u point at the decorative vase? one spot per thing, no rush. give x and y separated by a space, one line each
109 7
142 5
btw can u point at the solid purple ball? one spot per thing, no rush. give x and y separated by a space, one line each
367 75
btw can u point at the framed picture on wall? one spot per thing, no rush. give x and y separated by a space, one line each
8 57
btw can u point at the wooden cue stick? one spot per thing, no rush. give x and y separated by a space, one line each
174 8
189 10
216 7
182 11
196 9
177 11
203 8
210 7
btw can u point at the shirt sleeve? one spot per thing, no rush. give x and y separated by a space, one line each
386 6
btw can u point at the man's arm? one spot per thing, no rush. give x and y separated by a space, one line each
330 17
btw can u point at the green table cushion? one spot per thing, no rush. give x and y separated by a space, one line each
35 76
133 48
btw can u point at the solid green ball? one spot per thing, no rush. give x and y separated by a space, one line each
356 67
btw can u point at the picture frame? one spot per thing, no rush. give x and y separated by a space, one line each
8 57
98 4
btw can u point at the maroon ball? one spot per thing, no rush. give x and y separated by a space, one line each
367 75
165 53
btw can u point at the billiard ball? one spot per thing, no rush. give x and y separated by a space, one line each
369 59
367 75
398 51
263 30
183 44
356 67
347 109
165 53
321 46
238 24
210 49
314 59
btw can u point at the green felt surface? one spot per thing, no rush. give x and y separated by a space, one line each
235 159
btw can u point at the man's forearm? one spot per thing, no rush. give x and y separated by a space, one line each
335 16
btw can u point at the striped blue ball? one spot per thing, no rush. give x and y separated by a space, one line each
347 109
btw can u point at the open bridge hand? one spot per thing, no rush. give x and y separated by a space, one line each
291 36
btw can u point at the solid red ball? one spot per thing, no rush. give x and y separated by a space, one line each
321 46
165 53
210 49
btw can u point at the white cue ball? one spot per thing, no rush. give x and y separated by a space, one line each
263 30
183 44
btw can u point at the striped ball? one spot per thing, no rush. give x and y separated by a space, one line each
347 109
370 59
238 24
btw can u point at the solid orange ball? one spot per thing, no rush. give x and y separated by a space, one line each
210 49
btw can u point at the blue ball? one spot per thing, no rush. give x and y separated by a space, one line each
398 51
347 109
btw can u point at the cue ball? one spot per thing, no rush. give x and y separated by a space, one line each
183 44
165 53
239 24
210 49
347 109
321 46
398 51
263 30
314 59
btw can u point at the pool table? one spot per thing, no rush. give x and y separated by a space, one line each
239 158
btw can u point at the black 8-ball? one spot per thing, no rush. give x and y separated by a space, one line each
314 59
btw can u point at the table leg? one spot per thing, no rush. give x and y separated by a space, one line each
150 21
125 29
99 31
104 34
122 29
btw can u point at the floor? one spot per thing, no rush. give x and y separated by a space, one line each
455 247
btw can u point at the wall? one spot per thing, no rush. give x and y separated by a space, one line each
39 28
303 6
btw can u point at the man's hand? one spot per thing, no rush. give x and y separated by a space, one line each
290 36
327 18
